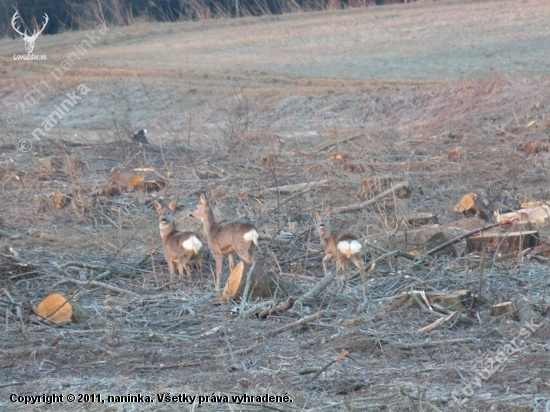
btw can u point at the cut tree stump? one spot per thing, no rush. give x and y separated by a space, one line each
263 284
454 301
503 308
415 219
502 241
472 204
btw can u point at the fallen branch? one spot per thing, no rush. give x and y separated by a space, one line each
292 325
375 199
431 343
332 361
317 289
326 145
7 385
244 298
94 267
293 188
438 322
279 308
98 284
238 352
470 233
161 366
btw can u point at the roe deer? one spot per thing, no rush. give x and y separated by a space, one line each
341 247
178 247
226 238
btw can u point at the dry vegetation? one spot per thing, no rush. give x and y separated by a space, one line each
353 101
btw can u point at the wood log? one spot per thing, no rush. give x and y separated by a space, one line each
503 308
502 242
54 308
263 284
472 204
535 214
415 219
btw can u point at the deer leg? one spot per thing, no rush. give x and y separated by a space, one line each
359 264
245 257
327 259
345 270
171 270
230 259
198 265
188 270
180 271
218 259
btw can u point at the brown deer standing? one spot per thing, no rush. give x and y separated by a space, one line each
341 247
226 238
178 247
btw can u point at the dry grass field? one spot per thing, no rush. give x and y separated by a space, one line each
443 95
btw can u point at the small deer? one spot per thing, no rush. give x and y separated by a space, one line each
226 238
341 247
178 247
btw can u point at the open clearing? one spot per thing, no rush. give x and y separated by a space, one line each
232 108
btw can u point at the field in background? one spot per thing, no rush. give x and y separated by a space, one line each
237 106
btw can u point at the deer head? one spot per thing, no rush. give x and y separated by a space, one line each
29 40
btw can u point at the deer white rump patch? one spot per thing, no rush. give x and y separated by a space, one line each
252 235
193 244
348 248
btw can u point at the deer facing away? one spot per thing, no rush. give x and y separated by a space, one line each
178 247
341 247
226 238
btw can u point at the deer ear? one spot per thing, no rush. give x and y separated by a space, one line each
173 204
316 215
328 211
203 198
158 206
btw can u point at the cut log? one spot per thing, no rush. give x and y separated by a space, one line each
454 301
472 204
503 242
263 284
436 242
503 308
54 308
415 219
536 214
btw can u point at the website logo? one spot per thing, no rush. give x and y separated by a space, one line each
29 40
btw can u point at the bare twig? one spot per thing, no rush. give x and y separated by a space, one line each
99 284
358 206
292 325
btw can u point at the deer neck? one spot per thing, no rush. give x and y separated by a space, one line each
209 222
167 231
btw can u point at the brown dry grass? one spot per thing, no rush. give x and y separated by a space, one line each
234 107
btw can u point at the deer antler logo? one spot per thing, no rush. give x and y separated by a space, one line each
29 40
